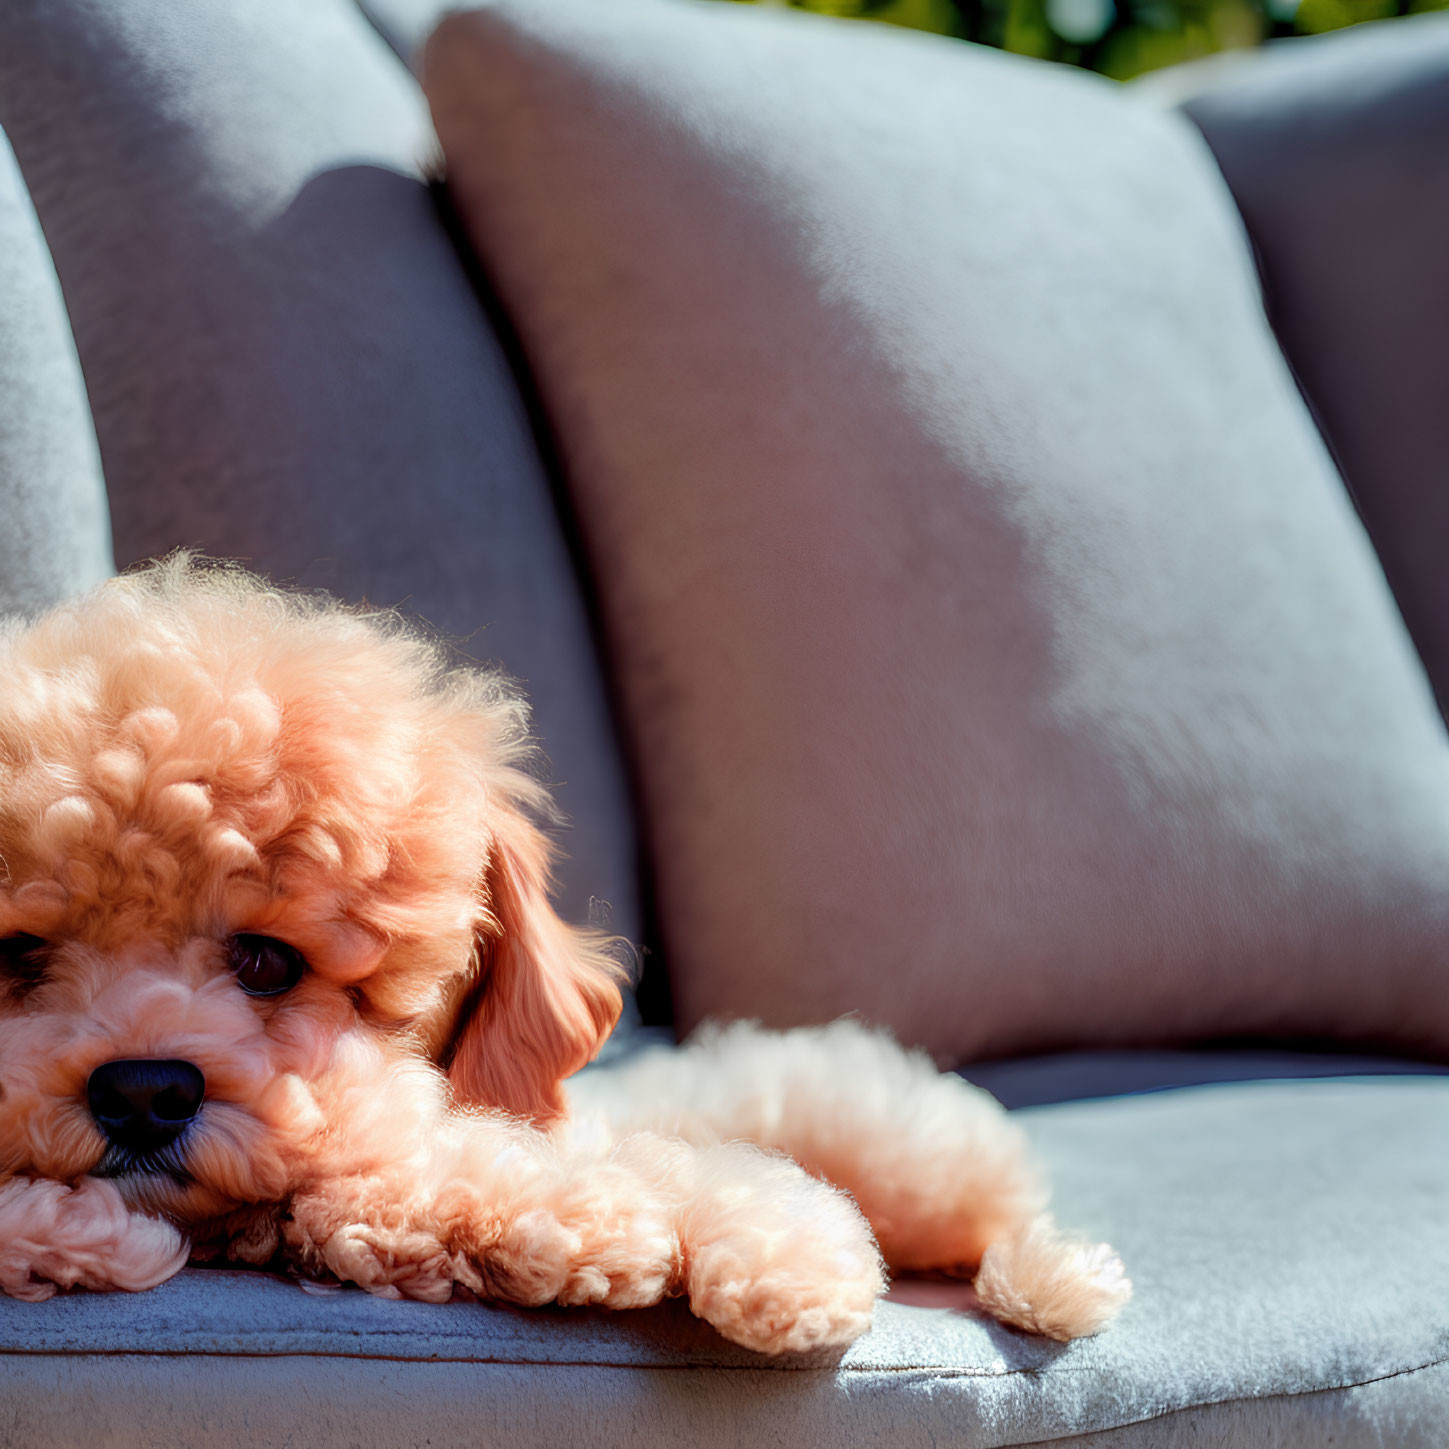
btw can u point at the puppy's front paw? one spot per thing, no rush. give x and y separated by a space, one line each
789 1306
602 1238
58 1237
350 1233
776 1260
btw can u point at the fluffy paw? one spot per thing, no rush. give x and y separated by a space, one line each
581 1259
600 1235
382 1252
1048 1284
58 1237
788 1309
774 1259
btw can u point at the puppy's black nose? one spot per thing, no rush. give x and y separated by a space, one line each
143 1106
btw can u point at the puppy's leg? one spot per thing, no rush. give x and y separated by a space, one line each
53 1236
507 1211
940 1170
773 1258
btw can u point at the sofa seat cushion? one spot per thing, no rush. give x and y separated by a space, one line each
1292 1285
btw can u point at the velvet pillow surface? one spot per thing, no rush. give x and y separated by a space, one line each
1002 657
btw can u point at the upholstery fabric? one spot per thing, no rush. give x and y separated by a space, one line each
54 529
1035 1081
1001 654
1291 1280
287 360
1337 151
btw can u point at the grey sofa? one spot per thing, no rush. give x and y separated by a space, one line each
224 279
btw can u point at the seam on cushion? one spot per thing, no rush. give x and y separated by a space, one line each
692 1365
834 1370
1224 1403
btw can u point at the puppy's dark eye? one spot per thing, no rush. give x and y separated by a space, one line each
22 958
265 967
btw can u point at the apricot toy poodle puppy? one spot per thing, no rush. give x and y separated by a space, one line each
280 983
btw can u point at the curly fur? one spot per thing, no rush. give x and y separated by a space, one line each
187 754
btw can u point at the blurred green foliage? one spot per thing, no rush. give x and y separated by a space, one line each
1120 38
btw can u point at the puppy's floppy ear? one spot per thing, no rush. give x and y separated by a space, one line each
547 993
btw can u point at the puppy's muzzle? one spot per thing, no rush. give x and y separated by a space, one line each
144 1106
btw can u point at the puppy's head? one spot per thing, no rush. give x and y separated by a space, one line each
268 869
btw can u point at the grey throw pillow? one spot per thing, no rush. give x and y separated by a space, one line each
1002 654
